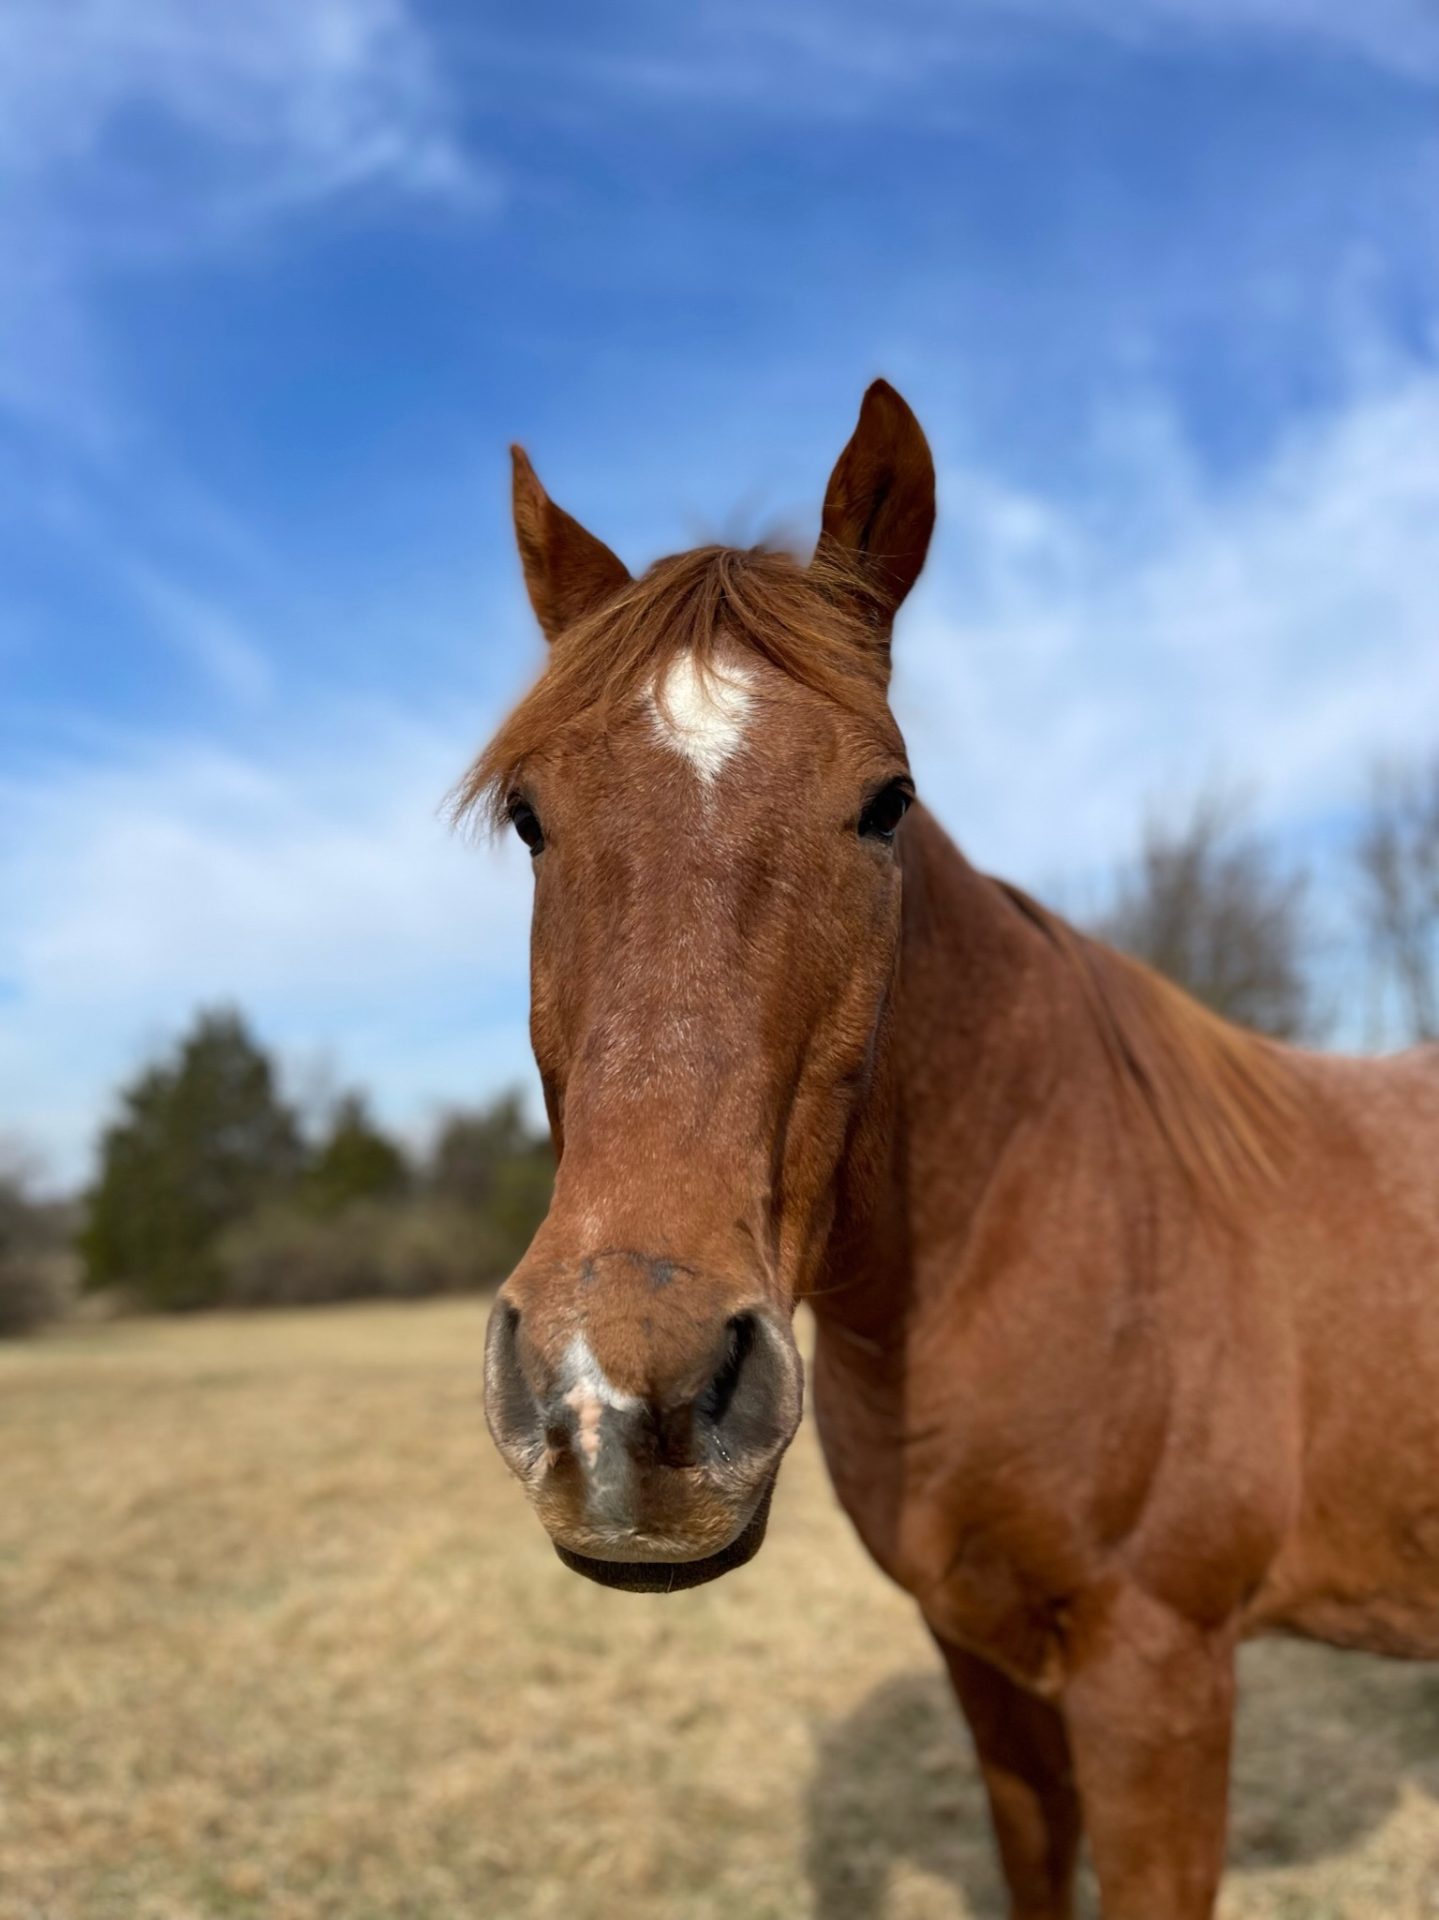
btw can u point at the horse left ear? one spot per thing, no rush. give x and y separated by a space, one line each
879 505
568 572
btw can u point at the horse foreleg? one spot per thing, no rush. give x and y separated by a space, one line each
1024 1757
1149 1709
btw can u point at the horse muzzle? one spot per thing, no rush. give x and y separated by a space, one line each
653 1485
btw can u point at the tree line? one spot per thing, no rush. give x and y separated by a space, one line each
210 1191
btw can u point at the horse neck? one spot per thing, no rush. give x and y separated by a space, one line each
967 1047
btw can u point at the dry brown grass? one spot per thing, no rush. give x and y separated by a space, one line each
280 1640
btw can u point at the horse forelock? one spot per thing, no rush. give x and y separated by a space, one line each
815 623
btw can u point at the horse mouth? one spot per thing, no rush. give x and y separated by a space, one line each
673 1576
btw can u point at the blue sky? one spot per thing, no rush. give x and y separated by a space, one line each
282 282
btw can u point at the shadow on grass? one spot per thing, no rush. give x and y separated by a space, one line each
1326 1742
896 1781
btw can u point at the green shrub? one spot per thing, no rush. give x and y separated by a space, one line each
34 1269
33 1290
290 1256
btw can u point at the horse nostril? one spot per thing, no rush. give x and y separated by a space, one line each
714 1402
752 1403
509 1405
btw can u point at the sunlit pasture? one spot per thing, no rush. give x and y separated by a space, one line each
280 1641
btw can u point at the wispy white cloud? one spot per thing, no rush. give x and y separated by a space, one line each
314 883
1072 662
307 100
204 634
134 129
148 546
859 59
140 130
1400 36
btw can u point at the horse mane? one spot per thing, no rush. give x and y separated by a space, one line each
1222 1098
818 623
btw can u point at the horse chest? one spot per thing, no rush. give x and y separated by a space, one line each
978 1537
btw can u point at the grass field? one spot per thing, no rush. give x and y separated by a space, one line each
278 1639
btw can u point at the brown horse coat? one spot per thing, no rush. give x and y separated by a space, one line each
1128 1321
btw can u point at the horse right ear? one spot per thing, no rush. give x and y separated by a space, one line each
568 573
879 505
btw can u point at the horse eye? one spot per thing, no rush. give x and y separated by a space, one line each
883 812
526 823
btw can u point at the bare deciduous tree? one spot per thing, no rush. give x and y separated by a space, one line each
1207 903
1397 855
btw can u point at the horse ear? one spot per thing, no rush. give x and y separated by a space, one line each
879 505
567 571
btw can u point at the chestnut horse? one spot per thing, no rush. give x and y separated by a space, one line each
1128 1320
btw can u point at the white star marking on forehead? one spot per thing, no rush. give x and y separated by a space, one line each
701 714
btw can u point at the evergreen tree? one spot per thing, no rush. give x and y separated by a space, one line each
497 1168
355 1161
201 1140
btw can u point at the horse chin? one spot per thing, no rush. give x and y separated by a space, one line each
673 1576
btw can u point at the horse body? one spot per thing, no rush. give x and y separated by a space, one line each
1355 1253
1081 1364
1128 1321
1103 1415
